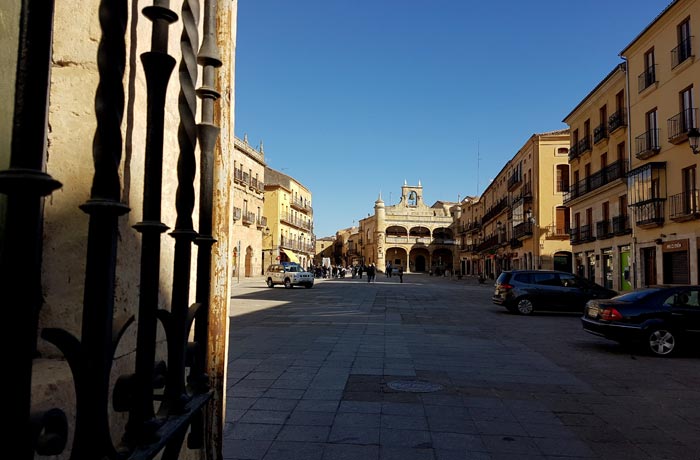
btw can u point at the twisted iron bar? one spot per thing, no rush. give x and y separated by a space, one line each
177 323
91 358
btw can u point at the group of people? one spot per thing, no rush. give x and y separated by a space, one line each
338 271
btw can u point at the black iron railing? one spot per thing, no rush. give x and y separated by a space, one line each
647 78
600 133
679 125
685 206
495 210
681 52
183 378
612 172
649 213
522 230
647 144
603 230
617 120
621 224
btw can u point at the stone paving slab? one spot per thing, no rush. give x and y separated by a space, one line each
313 375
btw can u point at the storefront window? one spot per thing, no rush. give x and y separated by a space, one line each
625 269
591 267
607 268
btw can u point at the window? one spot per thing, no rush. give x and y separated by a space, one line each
684 49
688 115
648 77
621 151
562 178
644 183
546 279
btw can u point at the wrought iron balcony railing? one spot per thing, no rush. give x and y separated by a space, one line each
647 144
649 213
600 133
685 206
514 179
679 125
647 78
522 230
556 232
495 210
681 52
612 172
617 120
621 224
603 230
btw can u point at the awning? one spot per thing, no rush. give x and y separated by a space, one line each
292 256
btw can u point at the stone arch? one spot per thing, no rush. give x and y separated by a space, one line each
418 259
441 260
419 232
443 233
248 261
396 230
397 256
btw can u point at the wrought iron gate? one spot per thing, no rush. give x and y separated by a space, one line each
186 389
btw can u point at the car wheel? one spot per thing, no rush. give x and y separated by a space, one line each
270 284
661 342
288 283
525 306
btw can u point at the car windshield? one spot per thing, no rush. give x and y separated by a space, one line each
292 268
637 295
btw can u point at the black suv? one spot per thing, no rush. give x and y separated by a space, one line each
524 291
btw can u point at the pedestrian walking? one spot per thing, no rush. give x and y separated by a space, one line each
400 274
371 271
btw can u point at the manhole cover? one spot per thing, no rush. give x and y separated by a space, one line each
414 386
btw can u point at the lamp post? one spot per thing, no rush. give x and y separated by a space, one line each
693 140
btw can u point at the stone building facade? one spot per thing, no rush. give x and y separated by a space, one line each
601 235
410 233
250 225
290 219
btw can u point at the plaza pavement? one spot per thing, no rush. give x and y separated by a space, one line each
322 374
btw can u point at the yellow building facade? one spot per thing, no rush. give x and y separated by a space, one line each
290 220
519 221
600 230
664 77
250 225
410 234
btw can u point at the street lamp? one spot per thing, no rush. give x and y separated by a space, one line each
693 139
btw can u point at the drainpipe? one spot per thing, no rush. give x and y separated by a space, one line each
633 245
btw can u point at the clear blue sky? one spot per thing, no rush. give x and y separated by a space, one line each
351 98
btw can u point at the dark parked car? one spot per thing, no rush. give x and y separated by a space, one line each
661 318
524 291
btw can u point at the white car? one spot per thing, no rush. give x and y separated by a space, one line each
288 275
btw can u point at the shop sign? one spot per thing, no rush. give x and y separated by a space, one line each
675 246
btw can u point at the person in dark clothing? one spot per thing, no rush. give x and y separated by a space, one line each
370 273
360 270
400 274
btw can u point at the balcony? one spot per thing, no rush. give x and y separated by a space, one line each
582 234
249 218
514 179
524 194
288 218
611 173
515 243
603 230
647 144
495 210
301 205
491 242
580 147
685 206
646 78
262 222
649 213
556 232
600 133
680 124
237 214
522 231
681 52
621 224
617 120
